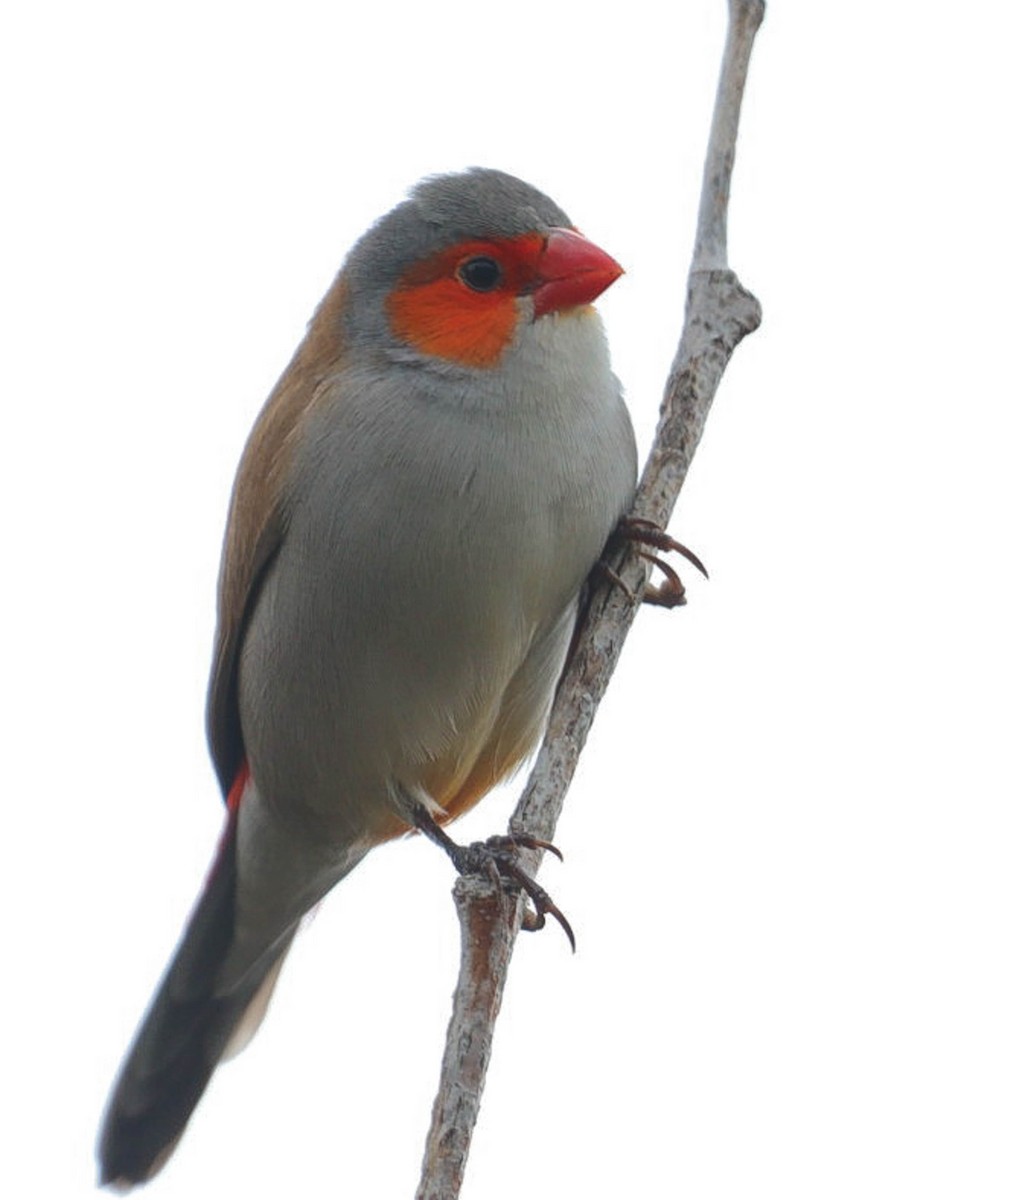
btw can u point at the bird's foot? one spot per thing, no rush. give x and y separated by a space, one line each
670 593
497 859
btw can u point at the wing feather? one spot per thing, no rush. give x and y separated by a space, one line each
258 519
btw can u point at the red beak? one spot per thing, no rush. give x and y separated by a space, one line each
571 271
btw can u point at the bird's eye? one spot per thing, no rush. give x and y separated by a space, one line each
480 273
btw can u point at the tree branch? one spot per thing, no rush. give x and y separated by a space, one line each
720 313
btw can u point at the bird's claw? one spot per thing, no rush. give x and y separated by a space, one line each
650 533
670 593
522 841
496 858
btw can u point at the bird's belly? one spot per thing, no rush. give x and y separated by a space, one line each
413 626
394 670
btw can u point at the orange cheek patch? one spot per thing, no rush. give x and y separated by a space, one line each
445 319
435 313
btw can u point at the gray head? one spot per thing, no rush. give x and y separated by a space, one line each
445 209
442 211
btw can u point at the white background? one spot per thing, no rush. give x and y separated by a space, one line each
794 846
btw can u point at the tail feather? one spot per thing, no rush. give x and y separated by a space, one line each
186 1032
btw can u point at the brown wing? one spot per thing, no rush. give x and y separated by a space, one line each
257 520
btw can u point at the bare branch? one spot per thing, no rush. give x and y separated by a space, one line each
488 920
710 243
720 313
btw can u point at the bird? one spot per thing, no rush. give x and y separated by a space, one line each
414 520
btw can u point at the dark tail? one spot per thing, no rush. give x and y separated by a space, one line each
185 1033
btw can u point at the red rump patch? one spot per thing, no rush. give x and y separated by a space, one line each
234 798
